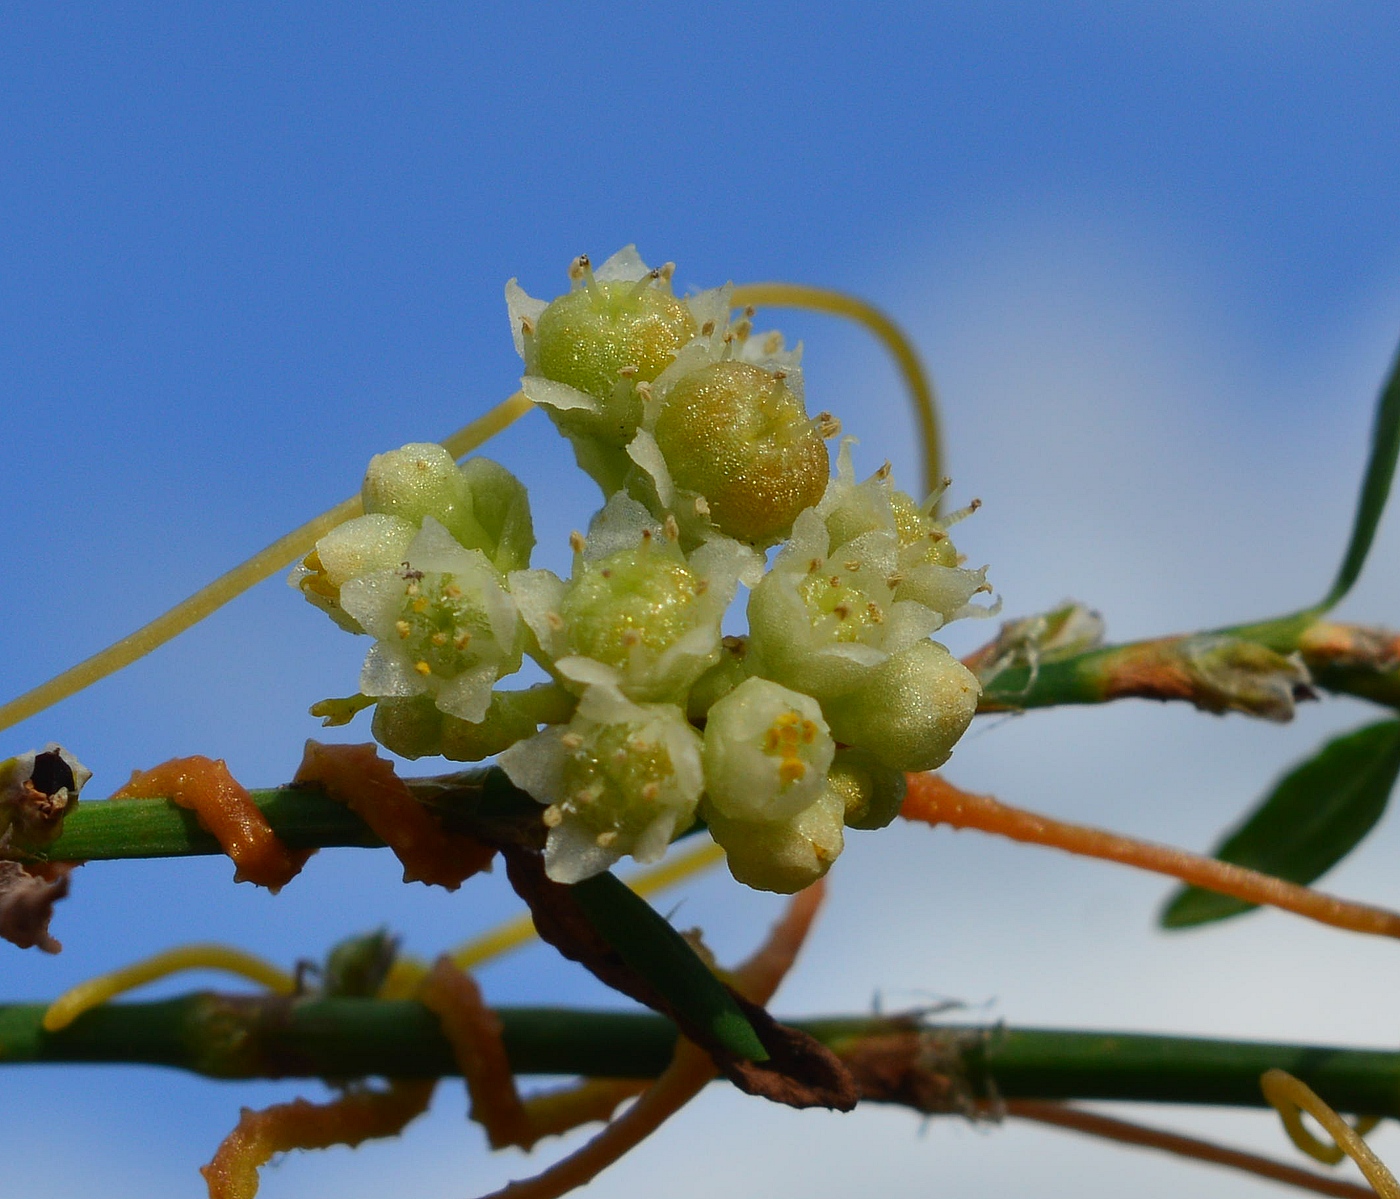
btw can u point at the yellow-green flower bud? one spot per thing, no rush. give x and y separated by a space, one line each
414 727
587 352
911 710
767 750
717 682
480 503
872 791
587 338
619 778
786 855
739 437
418 480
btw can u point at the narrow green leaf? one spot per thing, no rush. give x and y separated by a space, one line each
654 949
1315 815
1375 487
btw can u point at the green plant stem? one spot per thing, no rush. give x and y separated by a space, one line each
1344 659
303 817
242 1037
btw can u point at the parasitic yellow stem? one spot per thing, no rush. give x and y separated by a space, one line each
1291 1097
96 991
894 339
189 612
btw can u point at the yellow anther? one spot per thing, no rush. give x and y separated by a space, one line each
439 638
403 628
791 770
420 604
604 840
422 667
553 816
576 541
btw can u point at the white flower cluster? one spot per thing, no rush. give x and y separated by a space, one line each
697 433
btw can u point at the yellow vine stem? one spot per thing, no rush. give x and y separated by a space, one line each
189 612
839 303
96 991
1291 1097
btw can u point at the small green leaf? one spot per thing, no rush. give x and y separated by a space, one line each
1315 815
654 949
1375 487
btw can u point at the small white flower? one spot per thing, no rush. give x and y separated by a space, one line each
620 778
444 625
823 618
767 752
638 613
928 565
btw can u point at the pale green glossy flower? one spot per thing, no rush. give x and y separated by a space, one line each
785 855
443 621
638 613
587 351
928 566
823 617
620 778
767 752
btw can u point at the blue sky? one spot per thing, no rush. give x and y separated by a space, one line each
1151 255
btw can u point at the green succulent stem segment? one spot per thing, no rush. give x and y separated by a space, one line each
1244 667
245 1037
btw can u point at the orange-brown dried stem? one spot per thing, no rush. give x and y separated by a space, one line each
1062 1115
474 1033
358 777
355 1117
224 808
932 800
687 1075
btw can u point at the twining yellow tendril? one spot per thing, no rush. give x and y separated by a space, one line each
189 612
1290 1097
96 991
404 977
839 303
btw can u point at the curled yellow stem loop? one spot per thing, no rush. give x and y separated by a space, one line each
189 612
1291 1097
894 339
96 991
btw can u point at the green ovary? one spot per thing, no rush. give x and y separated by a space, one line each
617 780
441 627
630 598
586 337
828 594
